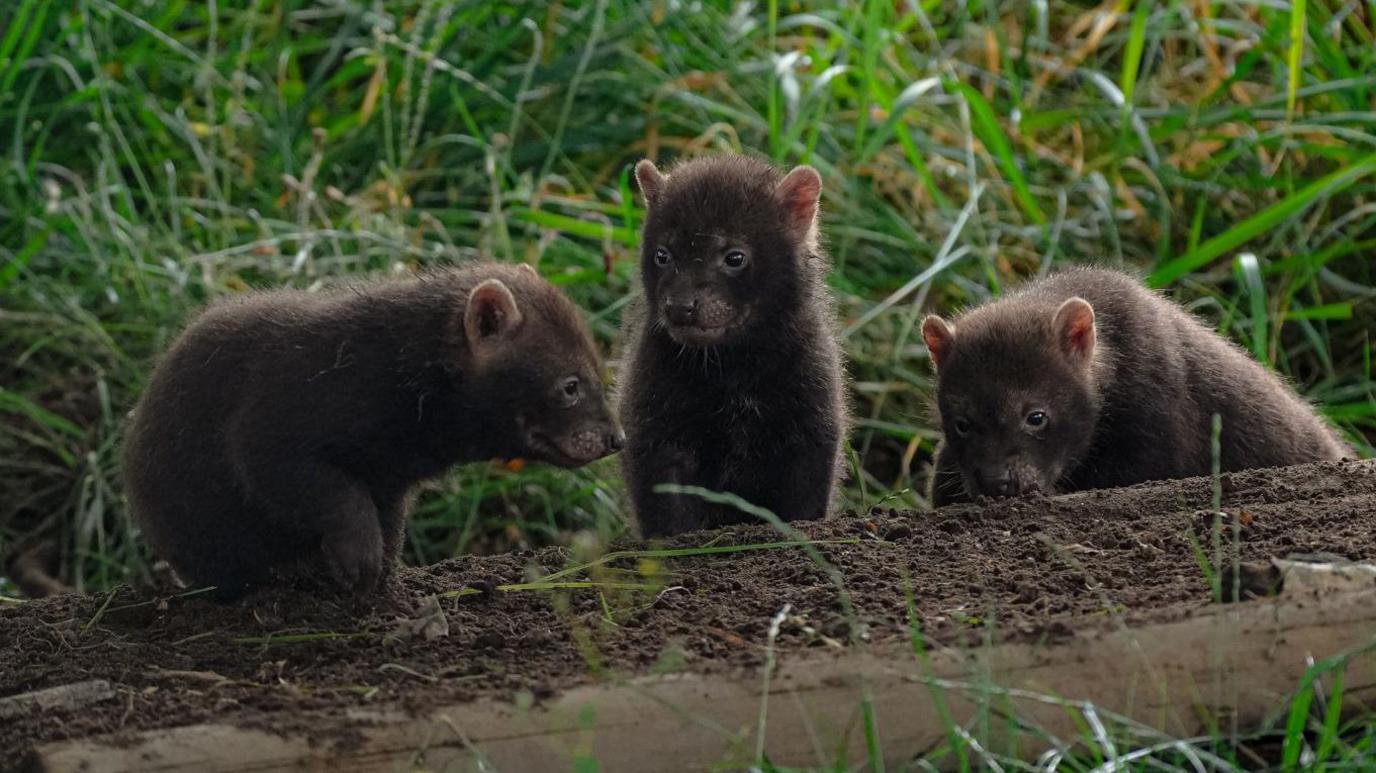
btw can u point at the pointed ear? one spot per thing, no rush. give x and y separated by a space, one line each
650 180
529 269
799 192
1074 328
939 336
491 312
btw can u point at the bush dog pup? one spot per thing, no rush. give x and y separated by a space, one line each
287 425
733 377
1088 380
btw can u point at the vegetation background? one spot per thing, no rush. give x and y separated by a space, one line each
155 154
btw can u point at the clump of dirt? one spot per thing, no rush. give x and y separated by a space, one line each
1026 569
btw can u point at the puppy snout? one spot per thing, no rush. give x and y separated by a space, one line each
1000 482
616 440
681 311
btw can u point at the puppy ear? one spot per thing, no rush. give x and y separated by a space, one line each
939 336
799 192
491 313
650 180
1074 329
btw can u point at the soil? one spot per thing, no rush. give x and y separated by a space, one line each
1024 569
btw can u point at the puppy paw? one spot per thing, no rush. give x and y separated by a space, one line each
356 557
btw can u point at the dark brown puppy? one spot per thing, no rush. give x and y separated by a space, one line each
1088 380
733 380
288 425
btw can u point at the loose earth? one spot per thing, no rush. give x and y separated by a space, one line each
1023 569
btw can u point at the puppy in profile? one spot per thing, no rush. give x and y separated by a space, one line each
1088 380
733 375
285 427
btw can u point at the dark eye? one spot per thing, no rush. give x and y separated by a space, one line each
734 259
1036 419
962 427
571 390
661 257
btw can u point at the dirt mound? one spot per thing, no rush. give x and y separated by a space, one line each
1014 569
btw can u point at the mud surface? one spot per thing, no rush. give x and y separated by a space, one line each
1028 569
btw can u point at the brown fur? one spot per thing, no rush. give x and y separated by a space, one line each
733 378
289 425
1127 386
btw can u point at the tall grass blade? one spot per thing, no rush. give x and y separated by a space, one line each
1262 222
991 134
1295 724
1330 734
775 121
872 742
761 722
1250 271
1295 55
1132 54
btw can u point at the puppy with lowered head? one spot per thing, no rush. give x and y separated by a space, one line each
1088 380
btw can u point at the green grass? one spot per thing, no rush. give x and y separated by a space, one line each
152 161
156 155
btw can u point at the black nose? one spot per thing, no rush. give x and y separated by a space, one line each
681 312
616 440
1002 483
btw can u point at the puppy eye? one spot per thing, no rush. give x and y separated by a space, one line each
734 259
962 427
661 257
1036 419
571 389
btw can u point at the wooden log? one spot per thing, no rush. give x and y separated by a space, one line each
1221 667
67 696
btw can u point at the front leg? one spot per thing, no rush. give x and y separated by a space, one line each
310 495
796 481
662 515
947 485
392 519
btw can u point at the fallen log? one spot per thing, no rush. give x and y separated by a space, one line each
1229 666
67 696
